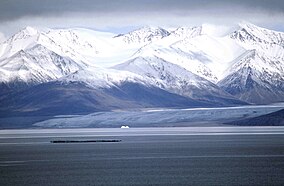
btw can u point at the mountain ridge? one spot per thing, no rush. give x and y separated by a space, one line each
200 64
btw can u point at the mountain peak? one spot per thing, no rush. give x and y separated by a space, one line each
245 24
152 28
252 27
187 32
254 35
25 33
145 35
28 31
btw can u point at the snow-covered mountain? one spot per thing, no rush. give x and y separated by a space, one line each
176 79
252 79
36 65
198 66
257 76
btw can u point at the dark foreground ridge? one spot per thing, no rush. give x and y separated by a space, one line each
272 119
82 141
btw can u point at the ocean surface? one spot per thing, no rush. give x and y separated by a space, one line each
144 156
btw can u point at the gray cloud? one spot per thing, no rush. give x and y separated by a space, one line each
103 14
14 9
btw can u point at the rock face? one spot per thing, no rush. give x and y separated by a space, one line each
80 71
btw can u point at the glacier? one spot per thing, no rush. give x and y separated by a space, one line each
159 117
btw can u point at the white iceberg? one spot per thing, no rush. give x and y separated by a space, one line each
124 127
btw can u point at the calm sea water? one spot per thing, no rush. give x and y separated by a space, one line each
145 156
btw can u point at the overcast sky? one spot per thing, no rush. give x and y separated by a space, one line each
123 15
